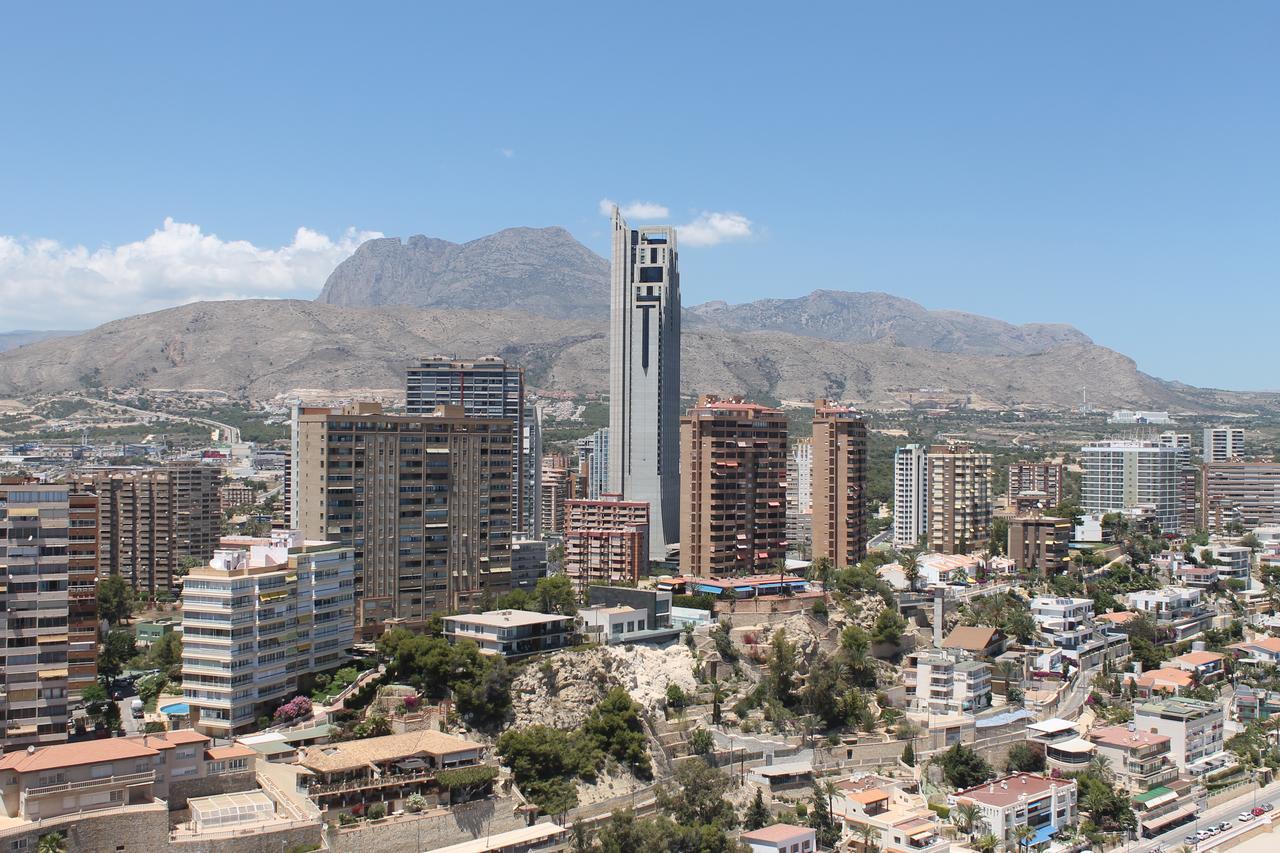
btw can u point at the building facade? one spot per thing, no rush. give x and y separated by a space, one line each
959 498
262 614
512 633
1122 476
82 593
1040 543
593 453
1246 493
1045 477
528 562
1023 799
644 375
910 496
606 540
839 484
800 496
1222 444
1194 728
34 613
733 484
938 683
424 501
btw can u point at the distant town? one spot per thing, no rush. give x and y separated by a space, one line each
473 615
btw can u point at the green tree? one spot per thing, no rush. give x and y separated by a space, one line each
987 843
701 742
909 560
115 600
1025 757
757 813
966 816
544 762
782 667
51 842
93 694
822 690
555 594
166 654
999 535
888 627
821 822
699 796
117 649
909 755
964 768
615 729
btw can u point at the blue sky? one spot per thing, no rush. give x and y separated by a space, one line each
1113 166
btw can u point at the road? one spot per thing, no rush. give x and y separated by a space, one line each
127 722
1228 812
232 433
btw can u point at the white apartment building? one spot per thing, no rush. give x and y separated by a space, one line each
1180 609
263 613
1140 760
1222 444
1234 561
910 495
800 495
511 633
1023 799
1125 475
938 684
1194 728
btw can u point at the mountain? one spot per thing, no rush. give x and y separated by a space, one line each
22 337
262 348
542 271
865 317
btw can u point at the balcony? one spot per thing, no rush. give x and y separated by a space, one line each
128 780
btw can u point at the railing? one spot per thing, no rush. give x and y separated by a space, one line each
371 782
92 784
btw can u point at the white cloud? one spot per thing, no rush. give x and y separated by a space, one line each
44 284
507 152
710 229
635 210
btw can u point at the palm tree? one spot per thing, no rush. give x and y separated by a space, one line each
869 835
51 842
1099 766
966 815
987 843
1023 835
910 563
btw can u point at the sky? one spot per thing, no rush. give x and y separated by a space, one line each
1115 166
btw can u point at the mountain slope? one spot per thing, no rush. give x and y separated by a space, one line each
22 337
542 271
261 348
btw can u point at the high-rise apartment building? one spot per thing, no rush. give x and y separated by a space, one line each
1043 477
34 613
800 496
606 540
644 376
424 501
959 498
488 388
593 461
1039 543
733 474
557 485
1246 493
910 495
262 614
839 484
1222 444
1188 479
1122 476
82 592
151 518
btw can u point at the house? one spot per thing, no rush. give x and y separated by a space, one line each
1023 799
1264 650
512 633
781 838
624 615
385 769
1166 680
1064 750
1163 807
1254 703
1178 610
979 641
1115 620
1198 577
1207 667
901 822
1139 759
939 684
656 604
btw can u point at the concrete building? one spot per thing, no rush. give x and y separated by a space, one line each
484 388
264 613
1129 417
1179 610
733 483
1023 799
1039 543
528 562
644 375
1140 760
1121 476
1222 444
530 501
425 502
1232 562
1069 625
1194 728
839 484
511 633
940 684
555 488
82 595
150 518
594 451
781 838
619 614
34 613
800 496
606 540
233 495
910 495
899 821
1247 493
959 498
1046 477
1188 478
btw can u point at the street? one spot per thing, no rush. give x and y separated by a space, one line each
1228 812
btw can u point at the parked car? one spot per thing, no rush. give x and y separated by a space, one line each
1190 839
1213 830
1225 825
1259 811
1266 807
1245 817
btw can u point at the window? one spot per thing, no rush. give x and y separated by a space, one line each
117 796
651 275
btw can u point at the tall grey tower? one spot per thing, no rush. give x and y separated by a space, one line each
644 376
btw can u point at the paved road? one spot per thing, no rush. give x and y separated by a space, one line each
127 722
232 433
1228 811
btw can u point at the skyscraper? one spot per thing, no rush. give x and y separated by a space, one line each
959 498
1188 479
644 376
593 456
1044 477
910 495
1222 444
486 388
839 484
1126 475
800 496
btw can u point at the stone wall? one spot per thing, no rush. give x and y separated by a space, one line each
181 790
255 840
133 829
428 830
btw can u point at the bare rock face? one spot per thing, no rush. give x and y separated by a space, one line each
561 690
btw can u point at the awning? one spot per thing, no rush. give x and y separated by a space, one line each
1043 834
1170 818
1160 800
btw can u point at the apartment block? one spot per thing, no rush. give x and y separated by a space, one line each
733 482
1140 760
606 540
150 518
557 486
1222 444
82 593
512 633
959 498
1023 799
1039 543
1126 476
34 613
424 501
800 496
839 484
879 808
940 684
1194 728
528 562
264 613
910 495
1188 479
593 460
1044 477
486 387
234 495
1246 493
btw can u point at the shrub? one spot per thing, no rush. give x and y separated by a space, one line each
345 819
377 811
701 742
415 803
296 708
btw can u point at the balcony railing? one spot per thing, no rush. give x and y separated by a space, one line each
91 784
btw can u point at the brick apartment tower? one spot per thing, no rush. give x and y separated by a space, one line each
839 484
733 472
959 498
82 592
605 540
1044 477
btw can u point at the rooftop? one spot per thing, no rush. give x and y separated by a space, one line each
1198 658
351 755
971 638
96 751
1123 736
1180 706
777 833
507 618
1166 675
1007 791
